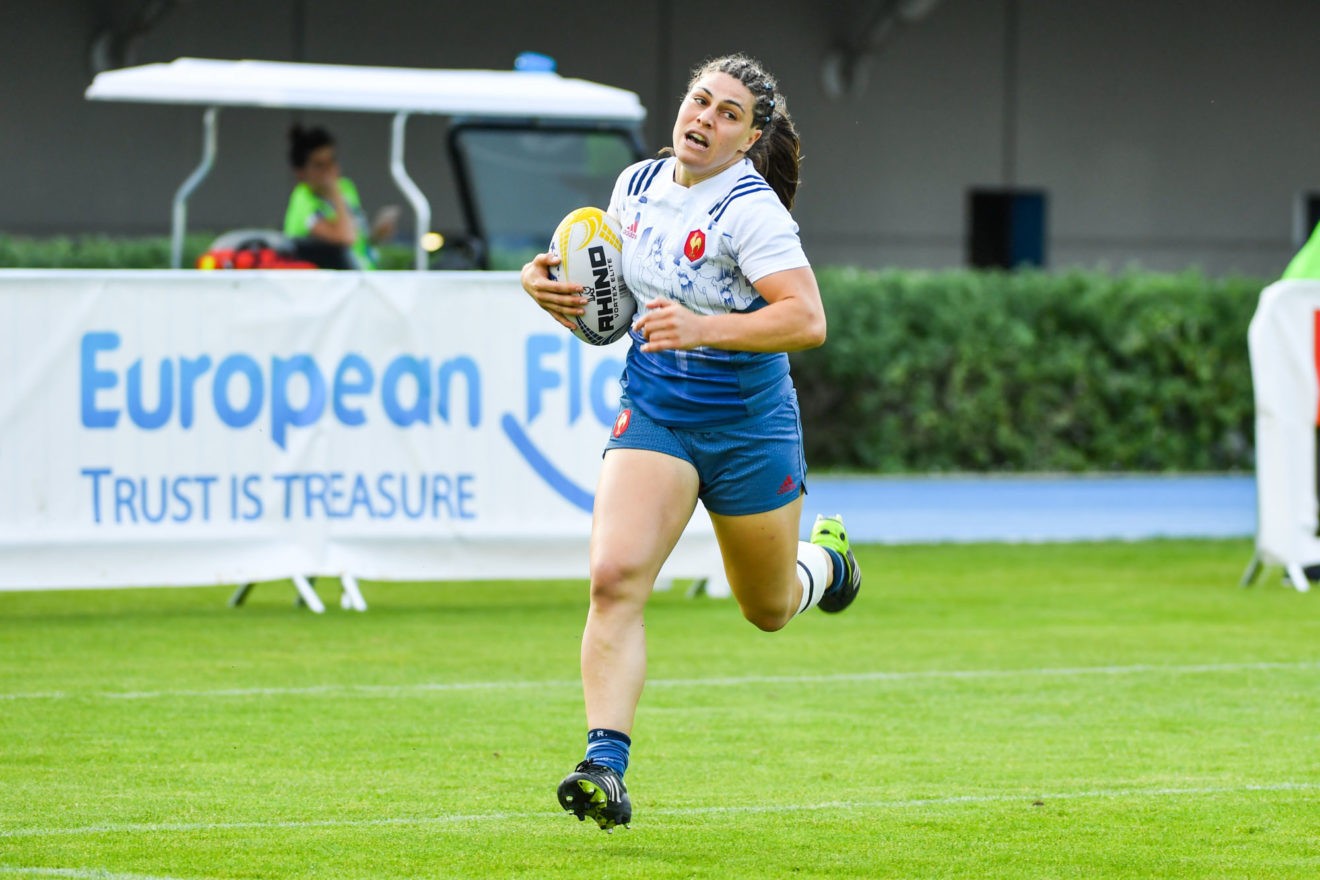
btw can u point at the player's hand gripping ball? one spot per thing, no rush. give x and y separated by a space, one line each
590 250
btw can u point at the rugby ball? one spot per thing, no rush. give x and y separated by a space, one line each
589 245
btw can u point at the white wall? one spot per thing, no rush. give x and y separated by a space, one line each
1168 133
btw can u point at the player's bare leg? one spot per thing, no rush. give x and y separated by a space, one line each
643 502
760 560
774 576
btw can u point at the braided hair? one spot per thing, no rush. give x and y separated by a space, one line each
777 153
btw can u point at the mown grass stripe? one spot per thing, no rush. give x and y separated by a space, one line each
665 812
79 873
723 681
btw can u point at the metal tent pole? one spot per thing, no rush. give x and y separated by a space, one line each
180 214
421 207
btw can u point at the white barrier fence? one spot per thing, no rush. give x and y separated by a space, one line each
187 428
1284 340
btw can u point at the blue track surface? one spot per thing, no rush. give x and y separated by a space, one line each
1035 508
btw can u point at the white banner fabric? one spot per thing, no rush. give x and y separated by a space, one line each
190 428
1285 360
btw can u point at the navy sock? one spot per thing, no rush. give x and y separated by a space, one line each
608 747
836 558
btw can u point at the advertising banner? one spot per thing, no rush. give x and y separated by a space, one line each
1284 341
176 428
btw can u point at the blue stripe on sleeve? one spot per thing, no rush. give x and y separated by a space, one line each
643 178
748 185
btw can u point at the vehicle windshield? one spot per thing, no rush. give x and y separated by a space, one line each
518 183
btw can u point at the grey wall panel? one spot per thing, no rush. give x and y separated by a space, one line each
1168 134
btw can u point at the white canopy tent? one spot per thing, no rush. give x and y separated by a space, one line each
488 94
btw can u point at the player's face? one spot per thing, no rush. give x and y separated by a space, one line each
714 127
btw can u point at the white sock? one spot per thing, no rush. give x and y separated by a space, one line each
813 570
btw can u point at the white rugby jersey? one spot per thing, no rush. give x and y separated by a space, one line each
703 246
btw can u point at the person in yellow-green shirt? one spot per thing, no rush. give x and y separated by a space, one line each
1306 262
1305 265
324 206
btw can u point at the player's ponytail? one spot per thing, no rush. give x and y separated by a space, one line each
777 154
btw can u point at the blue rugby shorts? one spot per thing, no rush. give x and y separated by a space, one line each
751 467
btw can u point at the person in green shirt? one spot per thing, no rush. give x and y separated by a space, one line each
1306 262
324 206
1305 265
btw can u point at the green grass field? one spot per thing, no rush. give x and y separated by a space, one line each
1055 711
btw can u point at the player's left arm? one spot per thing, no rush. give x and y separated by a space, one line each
793 319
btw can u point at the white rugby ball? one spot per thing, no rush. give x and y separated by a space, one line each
589 245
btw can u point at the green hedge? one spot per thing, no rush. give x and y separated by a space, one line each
970 371
97 251
1029 371
151 252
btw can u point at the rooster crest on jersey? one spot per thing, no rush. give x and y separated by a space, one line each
589 245
695 246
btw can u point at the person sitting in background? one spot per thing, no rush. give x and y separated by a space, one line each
324 207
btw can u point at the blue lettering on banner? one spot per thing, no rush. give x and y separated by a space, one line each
543 375
245 503
294 391
238 364
389 495
546 375
93 379
291 393
353 378
124 499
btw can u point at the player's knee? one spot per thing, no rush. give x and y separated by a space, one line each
617 582
767 617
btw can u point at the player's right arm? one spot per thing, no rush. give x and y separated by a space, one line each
561 299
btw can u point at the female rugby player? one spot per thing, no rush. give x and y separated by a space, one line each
708 409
